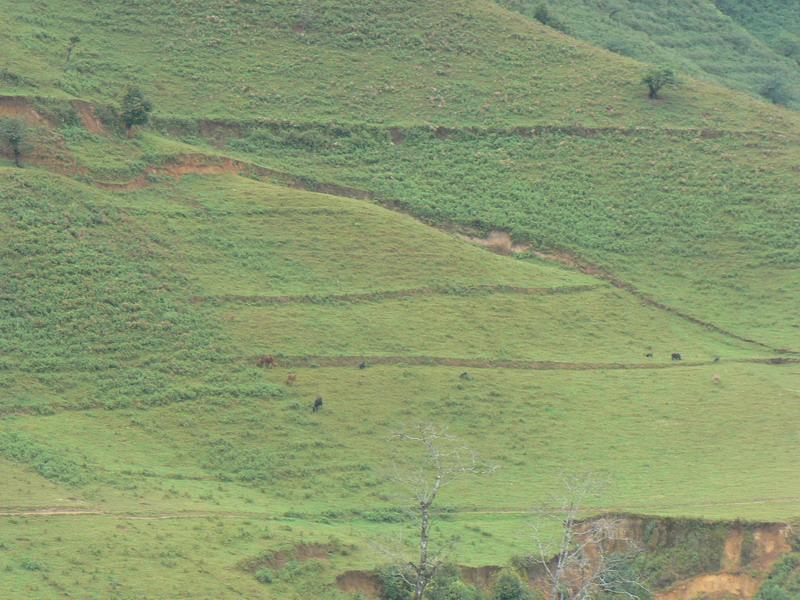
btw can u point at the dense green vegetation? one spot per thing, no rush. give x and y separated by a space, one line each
784 582
142 277
392 62
743 44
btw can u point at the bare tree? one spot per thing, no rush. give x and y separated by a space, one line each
441 460
591 555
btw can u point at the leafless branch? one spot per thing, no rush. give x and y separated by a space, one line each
590 552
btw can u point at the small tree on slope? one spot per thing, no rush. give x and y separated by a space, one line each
135 109
14 134
656 79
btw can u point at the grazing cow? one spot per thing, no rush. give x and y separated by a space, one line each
267 362
716 379
291 379
676 356
716 359
317 404
465 376
362 365
649 355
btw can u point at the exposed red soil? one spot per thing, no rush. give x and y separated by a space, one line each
86 113
18 107
365 583
717 586
500 242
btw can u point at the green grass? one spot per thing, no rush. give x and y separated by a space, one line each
742 44
353 61
130 320
154 406
695 223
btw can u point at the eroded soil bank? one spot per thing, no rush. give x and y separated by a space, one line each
687 559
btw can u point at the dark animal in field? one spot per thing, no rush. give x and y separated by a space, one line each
676 356
716 359
362 365
291 379
465 376
267 362
649 355
317 404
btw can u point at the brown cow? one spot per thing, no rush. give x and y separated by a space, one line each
291 379
267 362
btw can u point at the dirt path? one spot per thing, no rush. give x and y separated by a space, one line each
477 363
395 294
200 514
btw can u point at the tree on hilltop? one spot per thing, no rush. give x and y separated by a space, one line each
136 109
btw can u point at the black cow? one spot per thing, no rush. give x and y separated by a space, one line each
676 356
362 364
716 359
317 404
465 376
649 355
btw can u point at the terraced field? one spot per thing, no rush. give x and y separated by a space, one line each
328 208
169 418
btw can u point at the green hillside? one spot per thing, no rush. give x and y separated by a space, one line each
744 44
385 62
134 320
314 186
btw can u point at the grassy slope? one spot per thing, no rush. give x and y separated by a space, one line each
352 61
613 201
775 22
188 423
742 44
130 321
707 225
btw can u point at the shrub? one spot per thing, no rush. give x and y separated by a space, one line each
264 576
510 587
393 585
447 585
777 92
783 582
456 590
545 17
31 565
